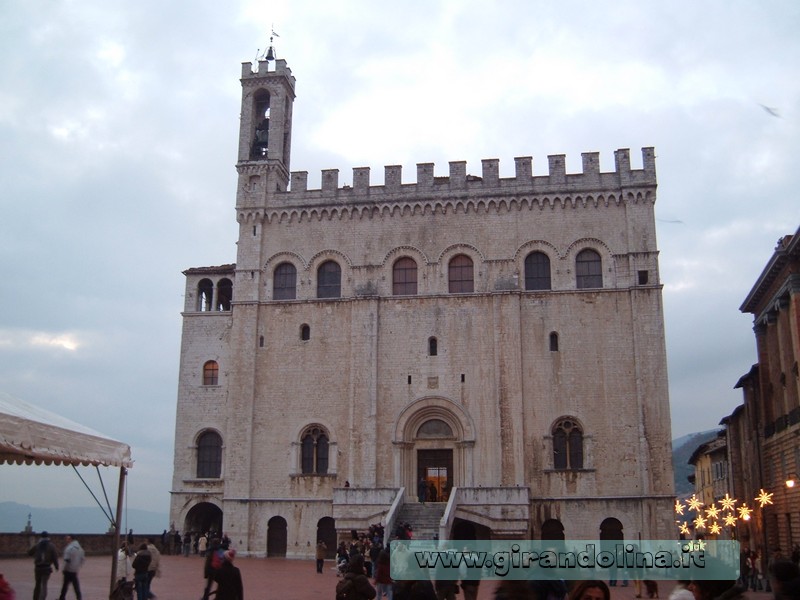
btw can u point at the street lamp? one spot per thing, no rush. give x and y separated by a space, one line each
791 481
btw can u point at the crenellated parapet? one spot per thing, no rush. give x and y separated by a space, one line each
456 191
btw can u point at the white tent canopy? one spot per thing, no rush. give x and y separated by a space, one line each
33 435
29 434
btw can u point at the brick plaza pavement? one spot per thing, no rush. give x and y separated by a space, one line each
264 579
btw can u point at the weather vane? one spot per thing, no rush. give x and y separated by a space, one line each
269 53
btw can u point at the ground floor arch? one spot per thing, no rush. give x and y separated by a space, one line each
611 529
552 529
326 532
277 536
464 529
203 517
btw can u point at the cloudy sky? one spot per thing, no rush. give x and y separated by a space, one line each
118 132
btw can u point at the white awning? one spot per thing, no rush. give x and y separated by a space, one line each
29 434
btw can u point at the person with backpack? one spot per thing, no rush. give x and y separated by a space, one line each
73 561
355 585
229 578
45 556
214 558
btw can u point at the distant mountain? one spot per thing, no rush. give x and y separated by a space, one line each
81 519
682 449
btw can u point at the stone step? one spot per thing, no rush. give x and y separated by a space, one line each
423 518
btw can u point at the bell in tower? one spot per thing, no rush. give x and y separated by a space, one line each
261 139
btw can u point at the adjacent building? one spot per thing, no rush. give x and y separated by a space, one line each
764 432
499 338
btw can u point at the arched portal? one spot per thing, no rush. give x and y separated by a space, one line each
276 537
434 438
203 517
326 532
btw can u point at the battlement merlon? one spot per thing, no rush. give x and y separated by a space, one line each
263 71
556 181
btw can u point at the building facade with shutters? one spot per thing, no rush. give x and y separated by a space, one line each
500 338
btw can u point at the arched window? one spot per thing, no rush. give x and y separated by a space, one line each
211 373
305 332
460 275
284 282
314 443
404 277
537 271
224 294
205 295
588 270
567 444
553 342
329 280
433 346
209 455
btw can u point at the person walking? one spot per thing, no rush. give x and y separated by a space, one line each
73 561
45 556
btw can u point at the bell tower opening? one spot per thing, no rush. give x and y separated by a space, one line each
261 136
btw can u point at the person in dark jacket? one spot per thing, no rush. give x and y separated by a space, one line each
141 566
229 579
45 556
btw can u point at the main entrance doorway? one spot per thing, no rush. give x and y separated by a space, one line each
436 467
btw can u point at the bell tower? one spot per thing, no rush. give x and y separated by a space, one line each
265 131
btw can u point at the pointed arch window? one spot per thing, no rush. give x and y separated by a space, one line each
314 444
284 282
588 270
537 271
209 455
329 280
404 277
461 278
567 445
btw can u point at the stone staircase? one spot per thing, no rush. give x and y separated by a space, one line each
423 518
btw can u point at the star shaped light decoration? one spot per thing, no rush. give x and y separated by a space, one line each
684 528
678 507
715 528
744 512
764 498
699 522
695 503
727 502
712 512
730 520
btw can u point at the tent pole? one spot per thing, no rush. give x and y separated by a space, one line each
117 517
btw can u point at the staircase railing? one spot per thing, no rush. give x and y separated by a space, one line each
391 516
446 522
